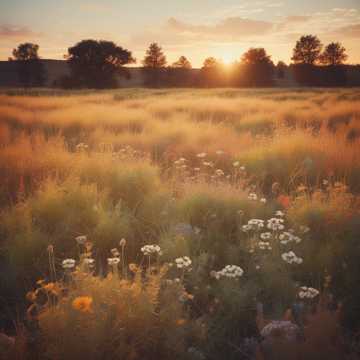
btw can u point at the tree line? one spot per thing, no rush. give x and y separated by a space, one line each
98 64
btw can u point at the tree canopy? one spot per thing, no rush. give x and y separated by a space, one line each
26 51
182 63
154 57
256 56
307 50
334 54
95 63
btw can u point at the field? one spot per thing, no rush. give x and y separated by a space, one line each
188 220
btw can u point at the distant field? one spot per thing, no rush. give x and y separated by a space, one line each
186 170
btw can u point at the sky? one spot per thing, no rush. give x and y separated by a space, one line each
224 29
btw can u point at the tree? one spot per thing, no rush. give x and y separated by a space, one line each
281 68
212 73
30 70
334 54
257 68
255 56
182 63
179 73
154 65
307 50
154 57
95 64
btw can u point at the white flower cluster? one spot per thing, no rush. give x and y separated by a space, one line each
81 147
275 224
253 224
89 262
264 245
115 252
113 261
219 172
308 292
252 196
287 237
180 161
201 155
229 271
68 263
183 262
279 213
266 235
291 258
151 249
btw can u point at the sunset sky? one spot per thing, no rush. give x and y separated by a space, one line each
194 28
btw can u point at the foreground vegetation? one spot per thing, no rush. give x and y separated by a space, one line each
188 220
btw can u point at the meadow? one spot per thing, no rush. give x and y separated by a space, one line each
179 223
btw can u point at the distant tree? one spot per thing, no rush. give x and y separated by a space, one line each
210 62
154 65
95 64
281 68
179 73
307 50
334 54
182 63
257 68
31 71
255 56
212 73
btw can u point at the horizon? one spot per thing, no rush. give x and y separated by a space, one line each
196 30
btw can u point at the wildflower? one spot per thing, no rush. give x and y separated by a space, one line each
83 304
68 263
279 213
230 271
257 267
275 224
133 267
122 242
291 258
308 292
113 261
183 262
264 245
180 322
263 200
252 196
325 182
266 235
240 212
242 168
81 239
89 262
304 229
219 152
201 155
196 169
151 249
219 172
236 163
115 252
208 163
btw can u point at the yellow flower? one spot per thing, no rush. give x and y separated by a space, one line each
49 286
83 303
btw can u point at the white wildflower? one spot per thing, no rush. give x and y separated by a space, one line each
68 263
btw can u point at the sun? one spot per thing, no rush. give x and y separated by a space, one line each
228 58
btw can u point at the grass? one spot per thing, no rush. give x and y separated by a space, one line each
175 168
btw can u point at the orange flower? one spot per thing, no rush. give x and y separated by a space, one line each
83 303
284 201
180 322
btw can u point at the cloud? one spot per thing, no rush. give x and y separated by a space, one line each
350 31
230 28
12 31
